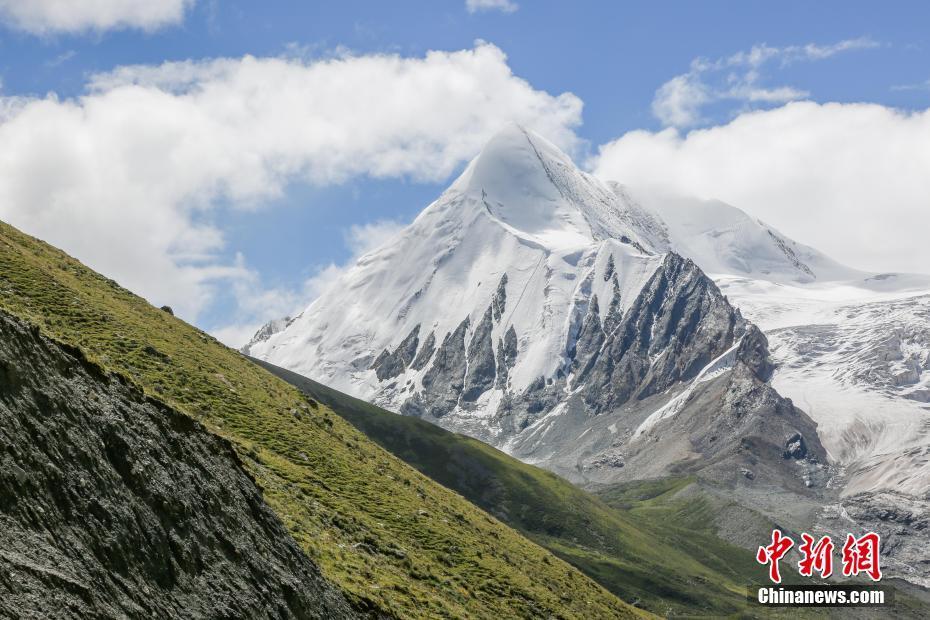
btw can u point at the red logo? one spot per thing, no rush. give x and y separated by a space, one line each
860 555
774 552
817 557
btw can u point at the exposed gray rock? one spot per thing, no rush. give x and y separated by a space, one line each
542 395
381 359
506 357
499 303
753 423
426 352
607 459
795 447
611 269
265 332
390 365
754 352
902 521
790 254
677 325
444 381
482 368
615 312
586 348
518 411
114 505
729 423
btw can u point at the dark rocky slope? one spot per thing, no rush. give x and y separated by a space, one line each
114 505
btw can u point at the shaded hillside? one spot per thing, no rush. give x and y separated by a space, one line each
392 539
114 505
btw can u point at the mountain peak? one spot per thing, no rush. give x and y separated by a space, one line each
528 184
514 158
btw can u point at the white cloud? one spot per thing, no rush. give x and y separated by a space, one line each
53 16
127 177
507 6
256 304
678 102
736 78
849 179
60 59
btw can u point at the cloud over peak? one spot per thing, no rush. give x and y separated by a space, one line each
133 176
848 179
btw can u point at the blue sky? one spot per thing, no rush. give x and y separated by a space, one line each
614 58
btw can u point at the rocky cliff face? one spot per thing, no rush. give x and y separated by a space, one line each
678 386
675 383
114 505
678 323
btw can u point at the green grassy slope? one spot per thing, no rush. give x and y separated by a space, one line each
394 540
659 553
652 542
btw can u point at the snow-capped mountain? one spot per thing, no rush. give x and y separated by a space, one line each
610 333
722 239
541 310
515 249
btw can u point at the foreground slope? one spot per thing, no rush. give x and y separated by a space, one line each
114 505
393 540
655 542
625 555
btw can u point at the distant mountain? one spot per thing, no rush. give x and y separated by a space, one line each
532 304
594 329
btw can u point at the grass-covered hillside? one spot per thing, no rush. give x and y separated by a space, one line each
661 555
651 542
394 540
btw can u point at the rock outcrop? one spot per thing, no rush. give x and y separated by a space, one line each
389 365
112 504
678 323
